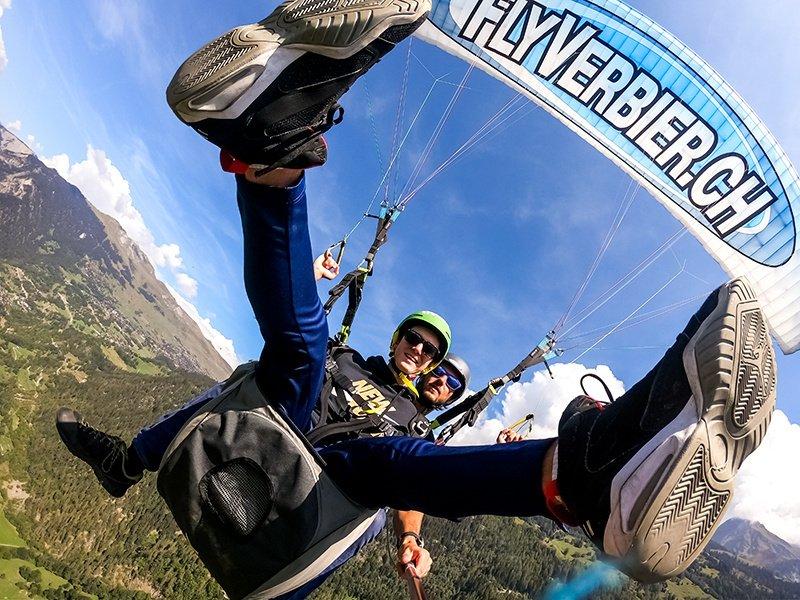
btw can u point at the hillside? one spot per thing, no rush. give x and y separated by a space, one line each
61 259
755 544
491 558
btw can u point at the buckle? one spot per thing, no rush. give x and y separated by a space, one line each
420 426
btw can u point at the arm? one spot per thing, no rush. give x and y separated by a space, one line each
409 551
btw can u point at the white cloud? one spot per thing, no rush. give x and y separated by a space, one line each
170 255
543 396
767 487
4 5
59 162
223 345
14 126
187 285
105 187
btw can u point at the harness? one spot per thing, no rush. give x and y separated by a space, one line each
251 495
249 491
354 404
354 281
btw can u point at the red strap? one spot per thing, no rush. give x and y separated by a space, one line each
231 164
556 506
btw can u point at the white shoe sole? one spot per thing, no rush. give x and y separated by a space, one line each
668 500
226 75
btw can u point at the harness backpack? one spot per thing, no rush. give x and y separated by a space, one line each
249 491
251 496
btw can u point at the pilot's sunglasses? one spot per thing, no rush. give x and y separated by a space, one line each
415 339
453 382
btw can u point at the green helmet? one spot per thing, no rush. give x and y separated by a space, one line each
430 320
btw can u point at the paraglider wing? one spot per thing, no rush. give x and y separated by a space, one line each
640 96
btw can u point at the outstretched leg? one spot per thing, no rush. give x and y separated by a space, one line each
649 476
442 481
278 272
279 279
265 93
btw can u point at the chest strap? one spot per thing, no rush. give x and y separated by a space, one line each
336 379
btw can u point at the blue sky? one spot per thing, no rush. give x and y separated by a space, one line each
498 243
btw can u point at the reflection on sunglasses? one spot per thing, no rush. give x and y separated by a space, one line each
453 382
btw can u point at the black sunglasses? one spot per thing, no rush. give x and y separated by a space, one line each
415 339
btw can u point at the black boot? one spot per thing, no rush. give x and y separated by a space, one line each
263 91
108 455
651 474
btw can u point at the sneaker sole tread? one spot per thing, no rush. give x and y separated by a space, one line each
731 366
333 28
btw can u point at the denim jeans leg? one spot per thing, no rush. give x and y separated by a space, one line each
153 440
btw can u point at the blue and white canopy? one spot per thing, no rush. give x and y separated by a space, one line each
659 111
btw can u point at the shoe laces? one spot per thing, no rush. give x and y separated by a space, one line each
101 439
293 142
602 382
117 451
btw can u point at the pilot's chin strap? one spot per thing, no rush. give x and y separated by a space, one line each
402 378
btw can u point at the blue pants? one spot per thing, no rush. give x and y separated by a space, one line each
279 280
399 472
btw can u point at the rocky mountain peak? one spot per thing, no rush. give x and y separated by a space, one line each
752 542
66 246
11 144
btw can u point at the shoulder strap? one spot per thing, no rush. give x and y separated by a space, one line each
354 281
336 379
239 373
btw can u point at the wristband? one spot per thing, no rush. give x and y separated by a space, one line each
416 536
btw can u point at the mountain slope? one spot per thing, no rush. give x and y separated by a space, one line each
755 544
91 269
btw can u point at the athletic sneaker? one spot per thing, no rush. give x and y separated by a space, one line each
651 474
263 91
106 454
313 154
